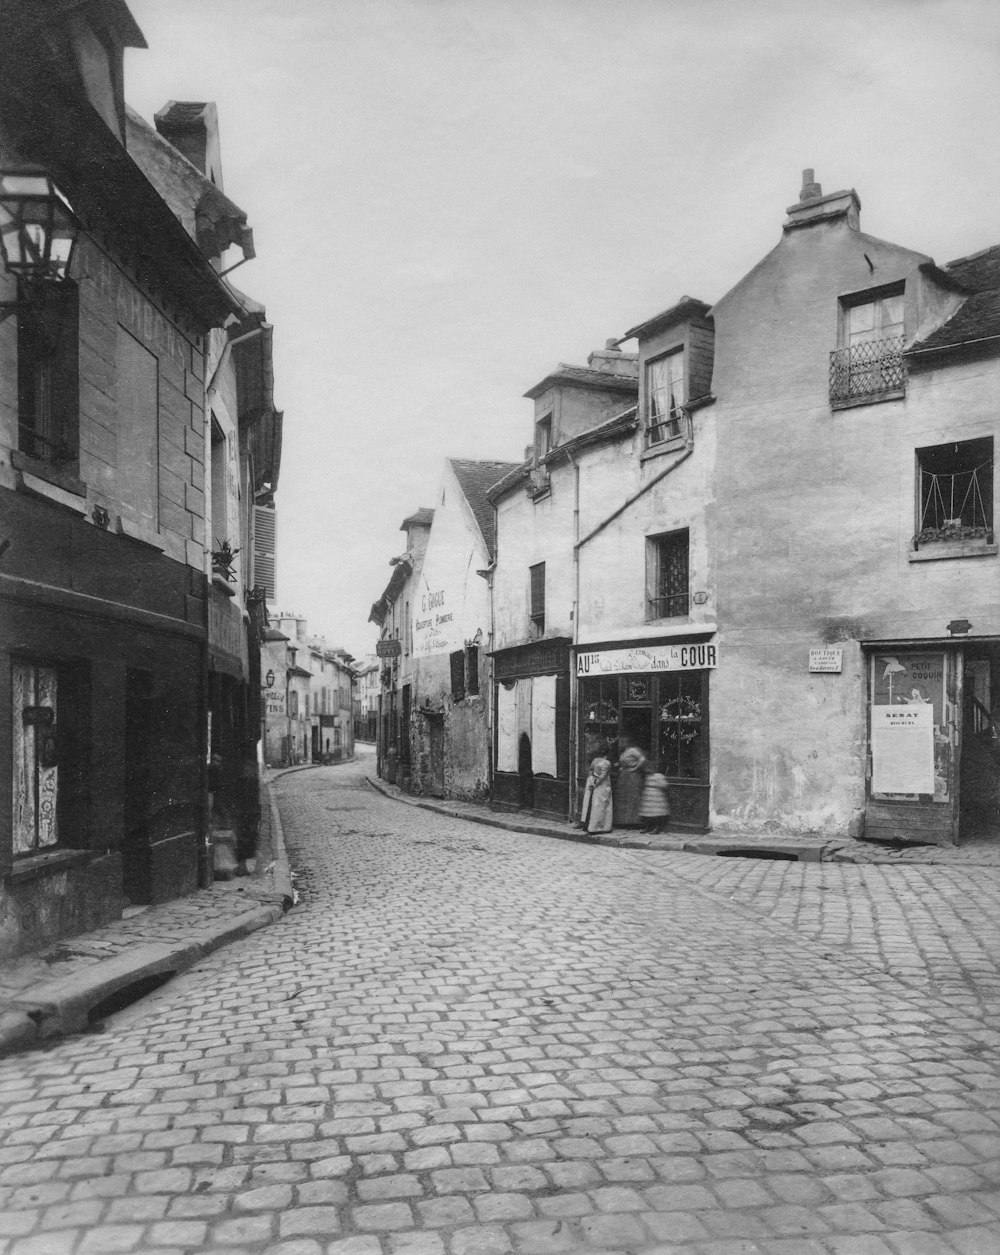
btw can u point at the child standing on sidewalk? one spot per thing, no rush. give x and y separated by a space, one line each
654 804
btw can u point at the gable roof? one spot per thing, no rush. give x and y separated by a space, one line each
476 479
978 317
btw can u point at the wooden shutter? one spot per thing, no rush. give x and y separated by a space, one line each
265 536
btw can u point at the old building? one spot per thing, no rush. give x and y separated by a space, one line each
366 695
391 615
761 546
102 491
856 567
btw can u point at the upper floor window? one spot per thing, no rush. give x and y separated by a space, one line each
667 575
536 611
955 493
665 397
543 437
868 362
48 388
457 664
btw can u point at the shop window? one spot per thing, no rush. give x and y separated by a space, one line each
665 398
955 493
537 596
868 362
48 387
457 661
599 716
667 575
36 768
681 725
472 670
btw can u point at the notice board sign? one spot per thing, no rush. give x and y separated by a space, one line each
902 749
826 660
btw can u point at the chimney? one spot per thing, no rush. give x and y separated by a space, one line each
613 361
814 207
192 126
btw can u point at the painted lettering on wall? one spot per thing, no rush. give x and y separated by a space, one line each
137 314
646 658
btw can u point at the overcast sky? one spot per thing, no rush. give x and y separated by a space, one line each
449 197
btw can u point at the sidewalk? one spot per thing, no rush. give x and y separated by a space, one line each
805 848
72 983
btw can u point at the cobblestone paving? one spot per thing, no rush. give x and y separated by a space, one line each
467 1041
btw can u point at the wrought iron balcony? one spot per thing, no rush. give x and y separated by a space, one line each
870 369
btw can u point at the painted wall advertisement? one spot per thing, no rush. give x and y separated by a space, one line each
435 630
911 745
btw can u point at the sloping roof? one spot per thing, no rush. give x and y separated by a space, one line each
978 317
423 517
475 480
686 307
585 377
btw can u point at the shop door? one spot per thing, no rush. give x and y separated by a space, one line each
36 774
525 775
979 765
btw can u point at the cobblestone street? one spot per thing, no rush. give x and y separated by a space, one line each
468 1041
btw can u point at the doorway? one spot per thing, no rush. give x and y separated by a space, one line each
979 765
525 777
435 733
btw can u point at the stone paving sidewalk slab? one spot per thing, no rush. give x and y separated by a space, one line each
805 848
56 990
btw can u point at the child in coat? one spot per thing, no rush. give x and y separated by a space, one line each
654 804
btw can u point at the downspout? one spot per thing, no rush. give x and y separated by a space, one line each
574 739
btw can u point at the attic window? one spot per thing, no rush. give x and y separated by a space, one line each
868 364
665 397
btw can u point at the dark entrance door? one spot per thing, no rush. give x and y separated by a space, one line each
435 733
525 779
979 765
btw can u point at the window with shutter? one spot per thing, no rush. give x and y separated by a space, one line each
457 660
265 536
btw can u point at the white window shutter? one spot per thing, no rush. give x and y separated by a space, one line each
265 538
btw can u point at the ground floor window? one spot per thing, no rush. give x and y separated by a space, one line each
912 718
36 771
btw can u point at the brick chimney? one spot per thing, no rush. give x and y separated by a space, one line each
814 207
613 361
192 126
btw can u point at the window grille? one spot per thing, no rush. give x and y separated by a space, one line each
668 575
867 369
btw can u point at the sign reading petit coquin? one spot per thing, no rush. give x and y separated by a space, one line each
646 658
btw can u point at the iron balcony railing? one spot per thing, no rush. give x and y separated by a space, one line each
868 369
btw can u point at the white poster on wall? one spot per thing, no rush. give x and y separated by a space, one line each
902 749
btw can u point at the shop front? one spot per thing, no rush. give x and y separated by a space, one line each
531 728
934 743
655 695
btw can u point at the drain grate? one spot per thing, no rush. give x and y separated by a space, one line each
753 852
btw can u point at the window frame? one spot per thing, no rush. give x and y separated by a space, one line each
677 419
52 359
536 596
951 537
655 571
887 371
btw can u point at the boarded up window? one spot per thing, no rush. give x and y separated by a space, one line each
472 669
137 375
265 538
457 660
537 612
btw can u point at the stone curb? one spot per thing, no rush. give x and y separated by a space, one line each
749 845
59 1007
282 872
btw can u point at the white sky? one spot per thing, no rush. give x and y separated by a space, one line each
449 197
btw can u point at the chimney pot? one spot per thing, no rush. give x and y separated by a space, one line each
810 188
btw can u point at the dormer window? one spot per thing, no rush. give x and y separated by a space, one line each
665 397
868 363
543 437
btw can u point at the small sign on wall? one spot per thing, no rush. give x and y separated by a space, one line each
830 660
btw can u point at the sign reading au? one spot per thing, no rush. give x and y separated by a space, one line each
644 658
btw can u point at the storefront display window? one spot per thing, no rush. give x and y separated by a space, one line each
680 725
